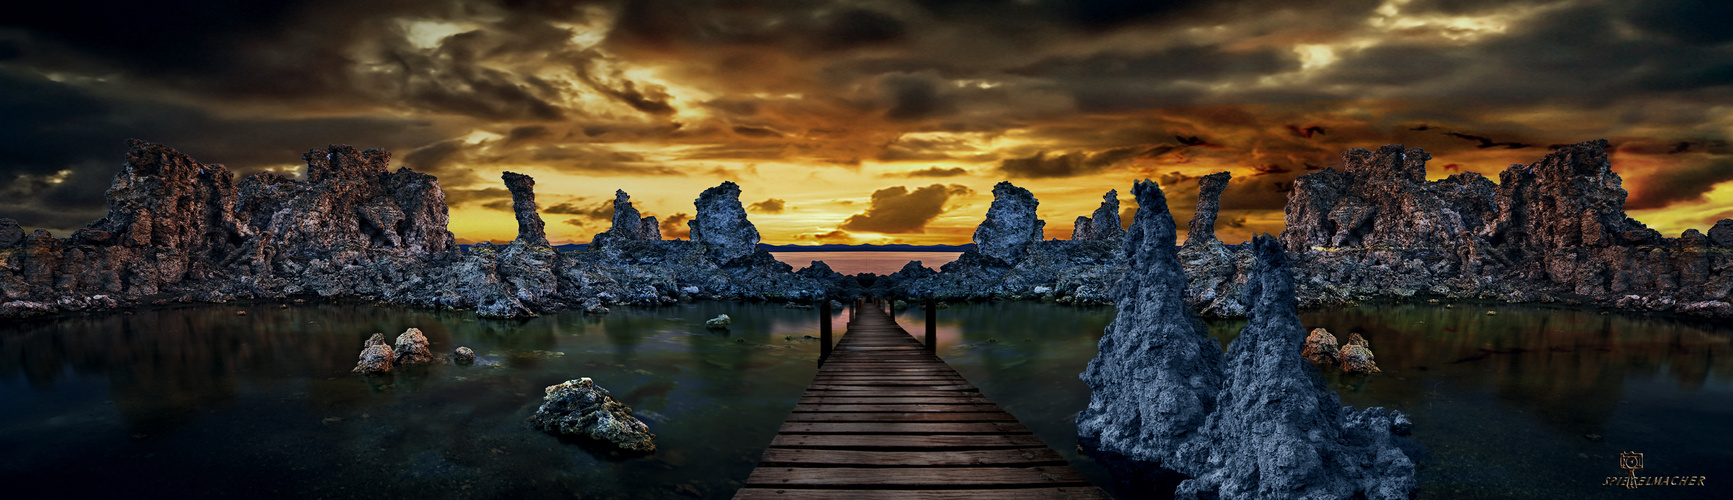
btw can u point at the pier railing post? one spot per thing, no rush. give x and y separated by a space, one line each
823 331
932 326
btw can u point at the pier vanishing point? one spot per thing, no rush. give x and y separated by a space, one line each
886 418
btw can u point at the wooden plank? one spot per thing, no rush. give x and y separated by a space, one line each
895 408
901 417
894 400
903 428
1018 457
889 394
892 387
940 477
894 442
1062 493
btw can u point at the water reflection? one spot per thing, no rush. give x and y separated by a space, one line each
202 402
1529 402
199 402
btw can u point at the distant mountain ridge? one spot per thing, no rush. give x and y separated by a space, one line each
866 248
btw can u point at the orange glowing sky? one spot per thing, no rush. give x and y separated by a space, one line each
867 121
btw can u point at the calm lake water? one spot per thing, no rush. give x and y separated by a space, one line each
200 403
880 263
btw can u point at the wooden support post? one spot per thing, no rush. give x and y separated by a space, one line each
932 326
823 331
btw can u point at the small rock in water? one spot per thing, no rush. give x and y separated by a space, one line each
376 339
719 321
463 355
1357 358
411 348
240 313
579 408
1320 346
594 306
1492 313
375 358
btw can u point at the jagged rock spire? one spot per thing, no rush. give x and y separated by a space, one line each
1202 229
530 229
627 226
1103 225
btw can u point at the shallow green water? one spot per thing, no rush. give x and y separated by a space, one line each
199 402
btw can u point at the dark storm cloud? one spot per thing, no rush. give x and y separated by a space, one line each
913 97
770 206
1683 182
898 210
458 197
860 27
1066 165
601 210
674 226
938 172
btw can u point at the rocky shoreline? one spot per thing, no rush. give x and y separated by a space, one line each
180 231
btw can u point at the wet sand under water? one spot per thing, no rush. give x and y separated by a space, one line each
197 402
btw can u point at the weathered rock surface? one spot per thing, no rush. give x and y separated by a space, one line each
1103 225
581 409
411 348
1256 424
1551 231
1276 431
10 234
1202 229
530 228
1155 377
627 225
1011 226
721 224
463 355
1320 347
721 321
179 231
375 359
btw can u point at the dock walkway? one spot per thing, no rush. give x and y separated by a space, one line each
886 418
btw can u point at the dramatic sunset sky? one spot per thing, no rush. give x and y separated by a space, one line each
865 121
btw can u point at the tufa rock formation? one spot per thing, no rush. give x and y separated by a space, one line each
181 231
721 223
1276 431
627 226
1255 424
1216 273
1103 225
1155 378
1011 226
1551 231
581 409
1202 229
530 229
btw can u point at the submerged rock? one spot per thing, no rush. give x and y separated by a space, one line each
463 355
719 321
581 409
375 359
1357 358
1320 346
411 348
1011 225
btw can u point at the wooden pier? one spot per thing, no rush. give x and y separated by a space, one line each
886 418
